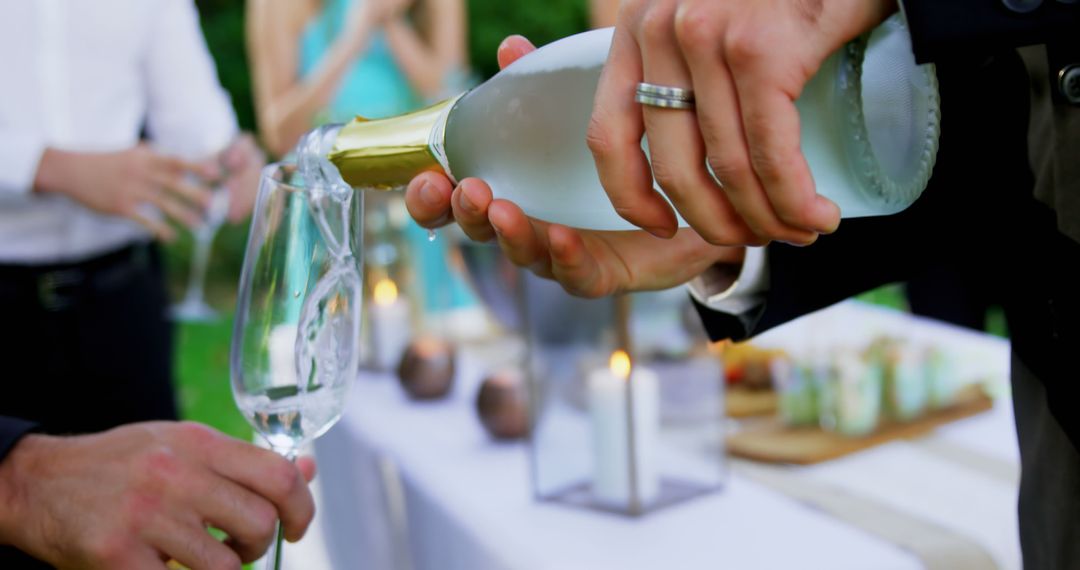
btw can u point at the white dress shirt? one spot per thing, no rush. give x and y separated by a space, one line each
90 76
738 297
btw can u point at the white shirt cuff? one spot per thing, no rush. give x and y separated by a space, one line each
746 293
20 154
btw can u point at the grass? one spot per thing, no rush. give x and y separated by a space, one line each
202 377
201 360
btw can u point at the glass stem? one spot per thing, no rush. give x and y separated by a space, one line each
199 260
273 560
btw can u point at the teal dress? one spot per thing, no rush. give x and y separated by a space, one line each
375 87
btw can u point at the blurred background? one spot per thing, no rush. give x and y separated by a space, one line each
202 357
202 351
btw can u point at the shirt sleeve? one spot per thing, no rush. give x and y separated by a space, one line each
730 302
11 431
188 111
20 154
944 28
716 291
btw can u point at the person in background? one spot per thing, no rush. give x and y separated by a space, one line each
112 124
316 62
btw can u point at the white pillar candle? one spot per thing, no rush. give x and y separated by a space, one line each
611 436
390 325
282 349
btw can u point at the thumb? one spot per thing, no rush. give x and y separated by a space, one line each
512 48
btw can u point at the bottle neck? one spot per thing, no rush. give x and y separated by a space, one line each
384 154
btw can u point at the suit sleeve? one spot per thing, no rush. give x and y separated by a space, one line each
11 431
863 255
966 217
941 29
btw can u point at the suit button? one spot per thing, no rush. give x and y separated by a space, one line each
1022 6
1069 83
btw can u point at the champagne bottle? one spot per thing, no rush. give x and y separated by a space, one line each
869 124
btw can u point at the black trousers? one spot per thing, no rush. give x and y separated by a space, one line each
85 347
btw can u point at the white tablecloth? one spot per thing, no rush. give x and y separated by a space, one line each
420 486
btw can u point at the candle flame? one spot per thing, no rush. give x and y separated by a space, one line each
620 364
386 292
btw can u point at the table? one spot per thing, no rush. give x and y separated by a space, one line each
419 486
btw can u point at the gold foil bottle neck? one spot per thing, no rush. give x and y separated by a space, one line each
385 154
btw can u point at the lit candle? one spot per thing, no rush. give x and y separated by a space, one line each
390 324
612 440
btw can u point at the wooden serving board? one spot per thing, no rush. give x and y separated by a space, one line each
770 441
743 403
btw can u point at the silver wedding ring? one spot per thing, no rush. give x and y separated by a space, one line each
664 96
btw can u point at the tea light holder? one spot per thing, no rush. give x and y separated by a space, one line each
427 368
502 404
618 427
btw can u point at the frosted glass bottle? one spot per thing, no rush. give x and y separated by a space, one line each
869 122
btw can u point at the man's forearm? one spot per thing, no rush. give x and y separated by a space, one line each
15 448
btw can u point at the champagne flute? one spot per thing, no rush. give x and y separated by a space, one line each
193 307
295 347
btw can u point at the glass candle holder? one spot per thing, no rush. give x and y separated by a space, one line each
391 308
619 426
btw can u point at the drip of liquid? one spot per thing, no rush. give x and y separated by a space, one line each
431 235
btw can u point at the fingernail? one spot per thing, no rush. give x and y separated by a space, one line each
430 195
466 204
800 243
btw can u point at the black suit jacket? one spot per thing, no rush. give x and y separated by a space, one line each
942 29
979 212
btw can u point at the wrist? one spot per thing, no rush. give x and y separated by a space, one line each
876 11
18 471
363 23
54 171
847 20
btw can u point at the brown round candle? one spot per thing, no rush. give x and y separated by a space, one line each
502 405
426 370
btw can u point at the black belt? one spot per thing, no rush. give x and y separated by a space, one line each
62 286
